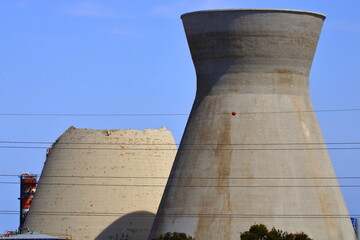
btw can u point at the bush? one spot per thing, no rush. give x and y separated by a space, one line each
260 232
174 236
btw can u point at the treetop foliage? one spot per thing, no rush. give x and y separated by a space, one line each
260 232
174 236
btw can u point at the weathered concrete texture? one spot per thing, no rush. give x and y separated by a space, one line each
97 183
233 171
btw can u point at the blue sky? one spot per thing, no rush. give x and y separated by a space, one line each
126 56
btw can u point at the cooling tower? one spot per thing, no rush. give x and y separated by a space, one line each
252 151
102 184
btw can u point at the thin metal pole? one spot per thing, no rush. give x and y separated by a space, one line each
358 228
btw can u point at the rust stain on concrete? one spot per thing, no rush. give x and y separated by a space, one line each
326 200
220 195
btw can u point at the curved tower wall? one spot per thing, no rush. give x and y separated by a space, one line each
233 171
102 184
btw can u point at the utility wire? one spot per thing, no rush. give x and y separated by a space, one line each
160 114
187 178
188 144
185 149
94 114
189 186
204 215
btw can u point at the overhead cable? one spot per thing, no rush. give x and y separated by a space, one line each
185 149
189 186
187 144
189 178
162 114
203 215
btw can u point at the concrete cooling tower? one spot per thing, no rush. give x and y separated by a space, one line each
102 184
252 151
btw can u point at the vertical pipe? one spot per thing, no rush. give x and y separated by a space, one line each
20 206
357 228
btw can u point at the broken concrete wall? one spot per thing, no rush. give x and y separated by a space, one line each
102 184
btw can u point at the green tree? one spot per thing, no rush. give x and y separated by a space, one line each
261 232
174 236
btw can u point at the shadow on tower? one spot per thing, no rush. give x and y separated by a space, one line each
132 226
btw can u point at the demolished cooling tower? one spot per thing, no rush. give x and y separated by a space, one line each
252 151
102 184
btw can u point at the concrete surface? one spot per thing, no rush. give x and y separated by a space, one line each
233 171
97 183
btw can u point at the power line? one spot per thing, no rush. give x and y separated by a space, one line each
188 144
204 215
93 143
94 114
10 175
190 186
190 178
162 114
185 149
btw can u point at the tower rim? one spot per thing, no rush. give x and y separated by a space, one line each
323 16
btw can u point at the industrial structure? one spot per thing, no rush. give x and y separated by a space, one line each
252 151
28 183
102 184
